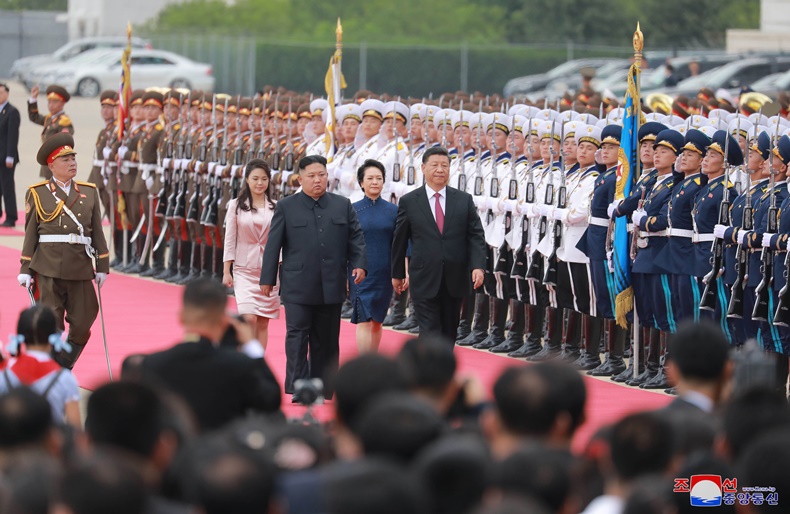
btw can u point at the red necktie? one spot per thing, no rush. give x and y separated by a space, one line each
439 213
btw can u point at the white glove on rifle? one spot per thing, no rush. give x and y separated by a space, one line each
612 207
719 230
106 152
742 236
638 216
767 238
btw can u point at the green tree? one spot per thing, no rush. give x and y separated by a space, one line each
34 5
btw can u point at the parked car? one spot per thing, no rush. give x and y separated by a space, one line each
44 75
732 76
149 68
772 85
531 83
22 66
573 83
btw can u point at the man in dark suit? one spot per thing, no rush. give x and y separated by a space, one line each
9 156
320 239
219 384
447 247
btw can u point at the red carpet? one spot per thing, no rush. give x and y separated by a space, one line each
141 316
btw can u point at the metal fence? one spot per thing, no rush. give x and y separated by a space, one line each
244 64
24 33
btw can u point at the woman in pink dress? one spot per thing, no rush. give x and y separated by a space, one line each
246 232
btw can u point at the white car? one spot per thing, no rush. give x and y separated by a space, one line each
149 68
24 65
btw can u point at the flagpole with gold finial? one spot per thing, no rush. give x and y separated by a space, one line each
639 43
334 83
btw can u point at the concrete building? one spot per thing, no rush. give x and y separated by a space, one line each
88 18
772 36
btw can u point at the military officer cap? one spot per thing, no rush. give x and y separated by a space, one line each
175 97
616 115
783 123
601 124
763 144
462 118
708 130
782 149
698 121
759 119
154 98
137 97
569 129
56 146
430 112
318 106
476 121
416 111
443 116
654 116
397 110
372 107
519 122
588 118
719 143
588 134
109 97
681 106
516 109
56 92
696 141
650 130
532 129
303 111
670 138
546 114
672 120
233 104
549 129
195 98
221 98
567 116
743 128
718 114
611 134
349 111
497 120
245 107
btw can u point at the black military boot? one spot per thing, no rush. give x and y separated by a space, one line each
184 256
467 315
206 260
553 347
410 323
67 359
651 359
397 313
515 337
533 343
219 257
496 334
197 256
173 261
117 248
659 380
629 371
571 350
480 323
614 363
593 331
137 255
157 262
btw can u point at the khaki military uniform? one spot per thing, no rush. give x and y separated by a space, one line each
59 122
107 138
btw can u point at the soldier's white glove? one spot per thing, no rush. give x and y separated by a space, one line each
511 205
638 216
612 207
149 183
122 151
101 278
533 211
106 152
742 236
719 230
166 163
545 210
767 238
479 202
559 214
24 280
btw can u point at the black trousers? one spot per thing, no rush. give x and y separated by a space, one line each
8 191
311 344
439 315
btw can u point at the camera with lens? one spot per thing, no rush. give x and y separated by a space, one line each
309 391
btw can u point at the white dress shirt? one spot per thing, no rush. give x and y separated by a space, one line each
432 201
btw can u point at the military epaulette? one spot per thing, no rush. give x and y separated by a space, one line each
698 181
87 184
42 183
158 126
177 126
730 184
64 121
400 146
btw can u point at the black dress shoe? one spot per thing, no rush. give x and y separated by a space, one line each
8 224
407 324
506 347
415 329
612 366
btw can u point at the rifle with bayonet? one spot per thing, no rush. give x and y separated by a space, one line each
710 293
550 277
478 191
461 164
763 293
493 192
520 255
535 271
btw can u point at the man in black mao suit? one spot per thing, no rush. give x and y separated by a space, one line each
9 155
447 247
320 238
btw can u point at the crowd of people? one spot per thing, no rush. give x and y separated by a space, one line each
198 428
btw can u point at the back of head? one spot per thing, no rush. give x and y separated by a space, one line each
514 506
100 484
751 413
398 426
204 300
530 399
692 430
766 463
641 445
538 472
700 351
454 471
428 364
36 324
360 381
25 419
30 481
230 479
651 494
371 485
126 415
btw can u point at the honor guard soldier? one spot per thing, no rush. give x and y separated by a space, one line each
316 134
650 280
103 171
129 170
56 119
171 148
349 118
393 153
63 238
365 146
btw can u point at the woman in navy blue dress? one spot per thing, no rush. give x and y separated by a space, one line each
370 298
